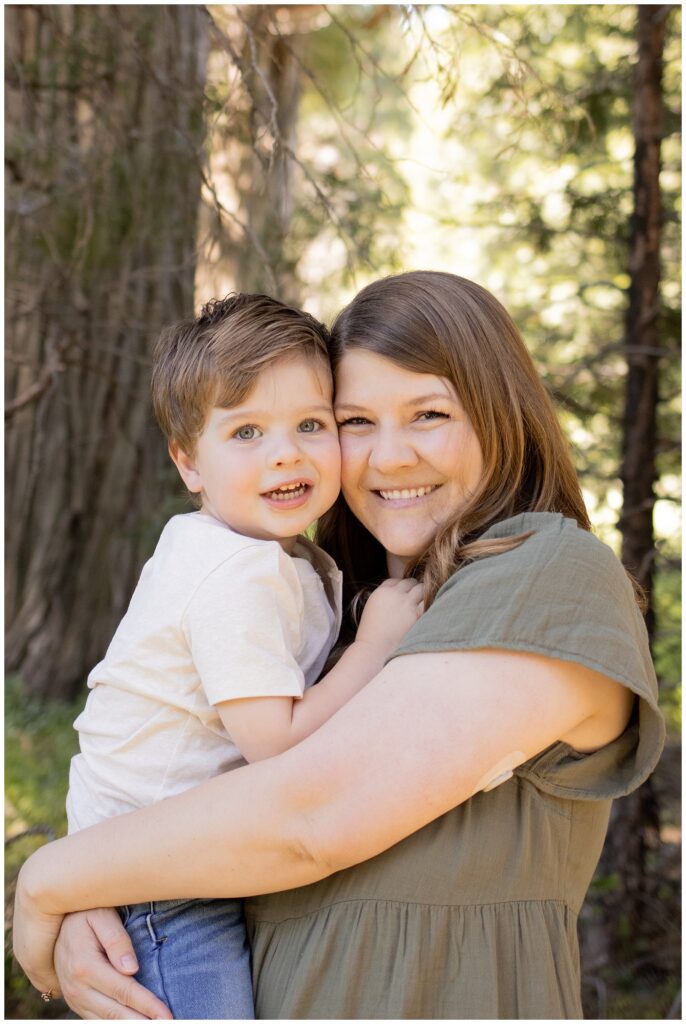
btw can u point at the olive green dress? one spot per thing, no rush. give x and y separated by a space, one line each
474 916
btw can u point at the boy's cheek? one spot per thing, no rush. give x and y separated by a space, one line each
333 452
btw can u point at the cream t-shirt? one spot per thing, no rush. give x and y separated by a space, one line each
215 616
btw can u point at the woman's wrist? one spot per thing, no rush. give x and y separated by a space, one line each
35 930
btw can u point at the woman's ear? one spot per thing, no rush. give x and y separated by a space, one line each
186 467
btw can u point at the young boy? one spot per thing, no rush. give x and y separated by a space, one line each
233 617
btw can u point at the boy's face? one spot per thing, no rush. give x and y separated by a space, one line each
270 466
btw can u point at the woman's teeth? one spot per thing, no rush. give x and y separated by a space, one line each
284 493
412 492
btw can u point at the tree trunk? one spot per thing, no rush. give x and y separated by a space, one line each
104 141
275 81
642 333
254 155
634 826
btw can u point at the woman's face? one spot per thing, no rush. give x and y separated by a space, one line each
410 457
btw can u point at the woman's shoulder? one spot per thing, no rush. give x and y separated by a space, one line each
555 556
560 592
549 528
553 532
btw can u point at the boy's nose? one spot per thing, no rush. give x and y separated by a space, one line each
285 452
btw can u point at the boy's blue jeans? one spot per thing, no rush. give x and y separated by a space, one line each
194 955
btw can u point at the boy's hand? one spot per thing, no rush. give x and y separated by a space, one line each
389 612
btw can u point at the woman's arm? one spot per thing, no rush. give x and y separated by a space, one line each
417 741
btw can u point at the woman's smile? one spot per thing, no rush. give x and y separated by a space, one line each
406 496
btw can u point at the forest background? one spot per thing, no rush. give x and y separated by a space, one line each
157 156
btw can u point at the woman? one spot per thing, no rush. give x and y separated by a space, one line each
429 848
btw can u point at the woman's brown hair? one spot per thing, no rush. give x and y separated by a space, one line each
438 323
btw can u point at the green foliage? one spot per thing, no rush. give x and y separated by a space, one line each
605 883
667 647
39 744
357 110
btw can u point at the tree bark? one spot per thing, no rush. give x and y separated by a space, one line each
639 472
255 149
634 827
104 141
275 81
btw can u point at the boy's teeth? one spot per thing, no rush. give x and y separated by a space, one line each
289 491
412 492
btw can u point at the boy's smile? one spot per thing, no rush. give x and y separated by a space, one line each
270 466
290 495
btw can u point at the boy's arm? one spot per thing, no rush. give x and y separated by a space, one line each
265 726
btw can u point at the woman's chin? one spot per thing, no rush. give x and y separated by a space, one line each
402 549
403 534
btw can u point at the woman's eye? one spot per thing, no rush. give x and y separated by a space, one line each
310 426
354 421
246 433
433 414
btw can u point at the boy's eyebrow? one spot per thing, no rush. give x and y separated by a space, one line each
244 414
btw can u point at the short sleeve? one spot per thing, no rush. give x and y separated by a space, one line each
243 625
564 594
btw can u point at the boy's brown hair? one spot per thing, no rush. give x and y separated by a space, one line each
215 359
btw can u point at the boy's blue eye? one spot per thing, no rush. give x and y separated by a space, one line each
309 426
246 433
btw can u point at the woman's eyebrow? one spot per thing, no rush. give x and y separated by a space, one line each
419 400
349 405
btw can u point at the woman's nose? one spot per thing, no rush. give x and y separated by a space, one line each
391 451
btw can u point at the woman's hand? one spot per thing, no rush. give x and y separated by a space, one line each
94 960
